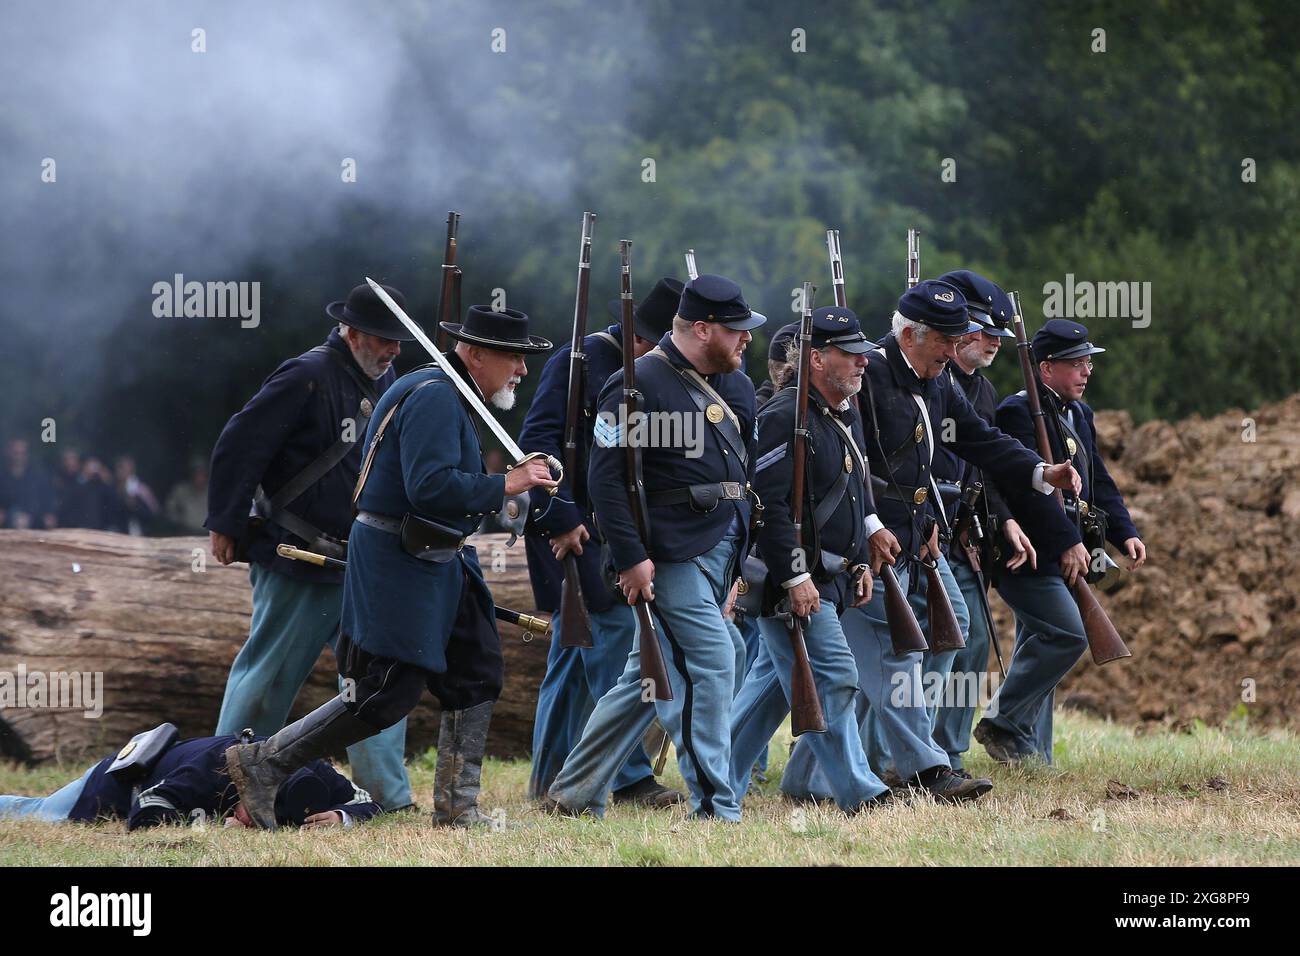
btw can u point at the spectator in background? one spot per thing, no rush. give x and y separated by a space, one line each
26 498
77 500
137 505
187 504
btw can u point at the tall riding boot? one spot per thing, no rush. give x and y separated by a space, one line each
258 769
462 738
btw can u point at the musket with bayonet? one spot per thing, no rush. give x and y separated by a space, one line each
805 704
449 288
905 633
575 625
530 623
513 523
653 668
1103 639
945 632
968 534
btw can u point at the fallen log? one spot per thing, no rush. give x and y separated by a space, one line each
103 635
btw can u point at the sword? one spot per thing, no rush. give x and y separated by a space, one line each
508 443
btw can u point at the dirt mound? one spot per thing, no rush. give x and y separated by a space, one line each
1212 618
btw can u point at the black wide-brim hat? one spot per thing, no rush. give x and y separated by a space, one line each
364 311
652 318
505 330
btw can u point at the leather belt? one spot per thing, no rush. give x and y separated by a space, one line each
380 522
918 495
718 491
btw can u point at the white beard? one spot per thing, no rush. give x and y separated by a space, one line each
503 398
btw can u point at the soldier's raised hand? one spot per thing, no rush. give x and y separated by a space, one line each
531 474
1062 475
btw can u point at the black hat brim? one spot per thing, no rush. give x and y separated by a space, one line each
747 323
535 343
1078 351
399 334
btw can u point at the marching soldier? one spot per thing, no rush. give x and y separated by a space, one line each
292 454
991 308
1050 636
837 503
699 513
416 610
576 677
908 398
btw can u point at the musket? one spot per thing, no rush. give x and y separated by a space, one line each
652 658
913 257
1103 639
945 632
575 625
449 288
904 632
467 391
805 705
691 271
530 623
967 535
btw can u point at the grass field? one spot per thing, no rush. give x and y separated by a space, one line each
1212 796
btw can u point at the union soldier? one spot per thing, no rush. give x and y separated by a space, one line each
416 610
292 455
576 677
699 511
188 778
837 503
1050 636
907 395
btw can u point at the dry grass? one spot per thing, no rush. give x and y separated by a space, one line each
1211 797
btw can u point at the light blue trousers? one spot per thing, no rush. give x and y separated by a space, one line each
764 701
292 622
754 650
576 677
55 807
952 724
700 654
1050 639
935 668
893 686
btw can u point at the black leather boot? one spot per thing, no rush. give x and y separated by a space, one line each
462 739
258 769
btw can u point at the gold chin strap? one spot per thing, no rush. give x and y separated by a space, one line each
553 463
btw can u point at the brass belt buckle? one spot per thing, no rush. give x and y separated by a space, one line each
920 495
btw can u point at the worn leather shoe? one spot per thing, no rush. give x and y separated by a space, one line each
999 744
648 792
947 787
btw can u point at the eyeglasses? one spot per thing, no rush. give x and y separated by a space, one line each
1080 364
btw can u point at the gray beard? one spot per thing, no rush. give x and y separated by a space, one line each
503 398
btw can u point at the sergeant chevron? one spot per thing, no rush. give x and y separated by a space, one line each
651 430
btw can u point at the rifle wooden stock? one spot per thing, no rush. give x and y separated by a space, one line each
575 625
652 658
905 633
449 277
945 632
1103 639
805 705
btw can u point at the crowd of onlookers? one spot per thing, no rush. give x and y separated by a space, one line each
80 491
